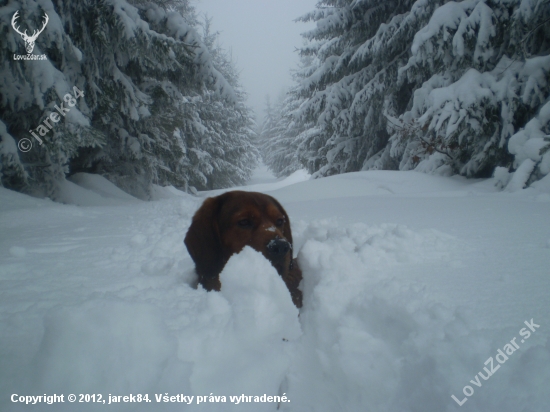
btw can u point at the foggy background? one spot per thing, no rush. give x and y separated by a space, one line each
262 36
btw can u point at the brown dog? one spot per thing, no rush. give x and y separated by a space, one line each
225 224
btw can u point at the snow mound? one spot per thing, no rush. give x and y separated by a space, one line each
382 343
259 298
100 192
296 177
101 186
167 192
374 183
15 201
238 340
72 194
84 189
386 243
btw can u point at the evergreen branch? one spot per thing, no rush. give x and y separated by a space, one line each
432 145
435 148
533 30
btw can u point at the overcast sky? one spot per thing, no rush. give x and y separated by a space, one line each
262 37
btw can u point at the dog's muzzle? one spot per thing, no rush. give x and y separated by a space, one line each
278 247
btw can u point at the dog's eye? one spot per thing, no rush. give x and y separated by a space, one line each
244 223
280 222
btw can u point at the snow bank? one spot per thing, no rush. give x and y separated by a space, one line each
87 346
91 190
255 321
166 192
229 343
100 192
381 343
296 177
101 186
371 183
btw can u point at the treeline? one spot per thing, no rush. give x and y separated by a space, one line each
162 103
441 87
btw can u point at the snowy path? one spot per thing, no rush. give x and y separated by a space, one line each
411 282
262 175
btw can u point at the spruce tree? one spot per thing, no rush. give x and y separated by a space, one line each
356 49
483 76
147 80
278 137
443 88
229 135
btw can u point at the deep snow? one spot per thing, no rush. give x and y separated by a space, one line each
411 282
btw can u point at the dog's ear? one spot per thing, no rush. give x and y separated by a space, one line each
287 232
204 244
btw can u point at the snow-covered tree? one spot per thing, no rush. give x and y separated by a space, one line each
485 71
229 135
278 135
268 130
148 80
438 87
30 90
356 49
270 118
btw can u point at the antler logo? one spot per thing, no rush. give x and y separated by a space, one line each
29 40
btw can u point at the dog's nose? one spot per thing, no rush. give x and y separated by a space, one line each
278 247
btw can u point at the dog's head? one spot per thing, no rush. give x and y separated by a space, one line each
225 224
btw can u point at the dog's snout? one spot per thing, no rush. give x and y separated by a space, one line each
278 247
